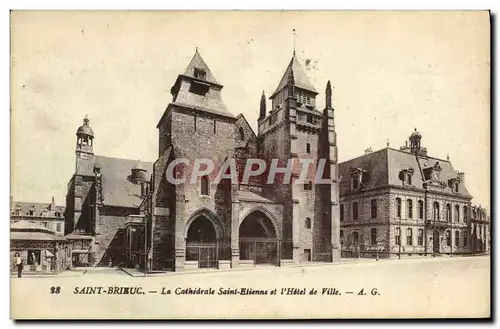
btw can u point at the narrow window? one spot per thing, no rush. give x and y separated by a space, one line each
448 212
457 238
310 118
373 236
409 204
355 238
194 116
308 148
215 127
436 210
398 207
373 207
465 238
457 213
242 134
341 212
204 185
354 211
465 214
448 238
420 237
308 222
355 182
409 237
341 237
397 235
409 179
420 209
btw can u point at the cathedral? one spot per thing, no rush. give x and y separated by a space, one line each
126 213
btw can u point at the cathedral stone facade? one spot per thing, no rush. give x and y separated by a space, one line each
128 213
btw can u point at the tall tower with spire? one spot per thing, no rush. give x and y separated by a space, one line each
293 129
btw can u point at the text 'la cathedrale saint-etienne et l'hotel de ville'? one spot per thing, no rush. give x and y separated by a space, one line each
390 203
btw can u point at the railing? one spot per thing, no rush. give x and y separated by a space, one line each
260 250
208 254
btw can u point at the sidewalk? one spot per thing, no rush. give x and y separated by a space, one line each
344 261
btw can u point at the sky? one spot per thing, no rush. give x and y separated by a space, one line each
391 72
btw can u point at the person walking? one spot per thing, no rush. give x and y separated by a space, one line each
19 264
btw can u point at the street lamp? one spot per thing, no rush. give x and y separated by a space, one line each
400 235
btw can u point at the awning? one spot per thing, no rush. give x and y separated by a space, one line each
48 254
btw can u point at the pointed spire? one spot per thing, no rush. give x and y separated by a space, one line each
198 68
294 37
328 94
262 113
447 157
387 144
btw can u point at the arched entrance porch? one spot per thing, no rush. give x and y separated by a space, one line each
258 239
203 239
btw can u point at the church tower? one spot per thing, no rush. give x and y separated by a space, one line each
84 149
81 195
291 130
195 125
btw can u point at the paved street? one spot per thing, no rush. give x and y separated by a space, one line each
441 287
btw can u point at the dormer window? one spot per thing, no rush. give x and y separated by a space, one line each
406 176
356 177
354 182
200 74
456 187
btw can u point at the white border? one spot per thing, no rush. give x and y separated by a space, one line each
186 4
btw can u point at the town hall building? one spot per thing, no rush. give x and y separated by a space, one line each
125 212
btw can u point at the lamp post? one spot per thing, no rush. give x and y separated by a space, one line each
145 247
400 234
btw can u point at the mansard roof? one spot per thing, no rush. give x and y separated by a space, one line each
117 187
383 167
299 74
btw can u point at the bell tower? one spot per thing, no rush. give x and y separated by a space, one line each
84 149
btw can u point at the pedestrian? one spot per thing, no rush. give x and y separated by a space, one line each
19 264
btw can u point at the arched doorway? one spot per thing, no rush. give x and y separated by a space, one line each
258 239
202 242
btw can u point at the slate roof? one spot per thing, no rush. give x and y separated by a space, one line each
299 74
198 62
383 168
117 188
39 209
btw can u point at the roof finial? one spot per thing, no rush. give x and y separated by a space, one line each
196 49
328 94
86 120
387 143
447 156
262 113
294 36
